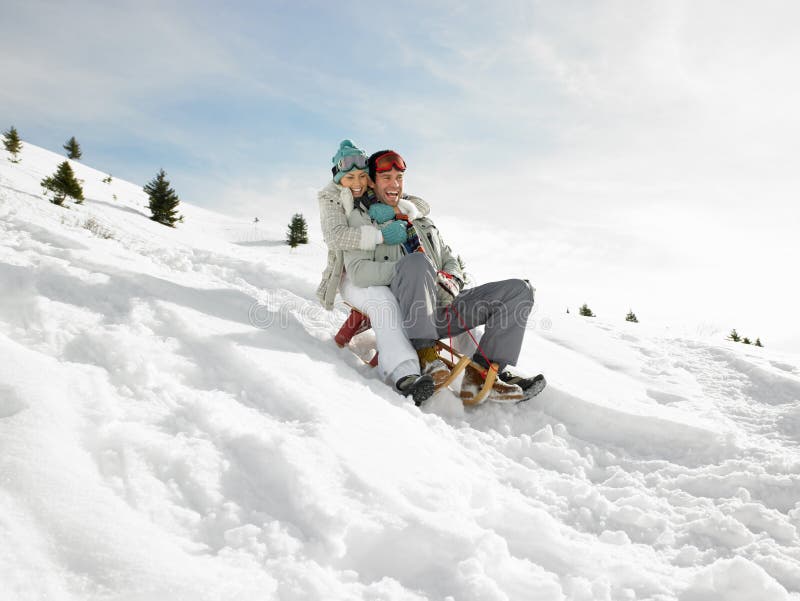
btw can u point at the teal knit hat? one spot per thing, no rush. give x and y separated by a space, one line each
347 149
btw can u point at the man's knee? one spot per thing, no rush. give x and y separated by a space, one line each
520 290
523 300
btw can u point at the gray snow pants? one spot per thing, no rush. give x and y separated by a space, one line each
503 307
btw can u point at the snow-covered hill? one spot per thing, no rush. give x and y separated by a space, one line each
176 423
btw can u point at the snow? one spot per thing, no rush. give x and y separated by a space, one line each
177 423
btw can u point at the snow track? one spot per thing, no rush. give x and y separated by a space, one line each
176 423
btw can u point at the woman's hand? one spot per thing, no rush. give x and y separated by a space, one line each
395 232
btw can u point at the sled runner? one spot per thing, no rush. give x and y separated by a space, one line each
357 322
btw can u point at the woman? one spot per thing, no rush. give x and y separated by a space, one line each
398 361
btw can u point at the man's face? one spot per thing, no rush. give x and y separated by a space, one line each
388 186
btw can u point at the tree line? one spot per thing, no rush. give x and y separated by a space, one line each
63 184
585 311
163 200
735 337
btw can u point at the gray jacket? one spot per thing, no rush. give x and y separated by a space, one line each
376 267
335 204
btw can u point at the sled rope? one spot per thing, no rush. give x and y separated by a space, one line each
463 324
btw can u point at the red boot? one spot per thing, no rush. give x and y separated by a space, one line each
355 323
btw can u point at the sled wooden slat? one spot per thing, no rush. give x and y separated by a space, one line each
457 367
491 376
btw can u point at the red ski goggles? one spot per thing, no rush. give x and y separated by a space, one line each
389 160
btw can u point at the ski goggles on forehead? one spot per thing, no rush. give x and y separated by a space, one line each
353 161
389 160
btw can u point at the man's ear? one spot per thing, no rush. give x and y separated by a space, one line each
371 183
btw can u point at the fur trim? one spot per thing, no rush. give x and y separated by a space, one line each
346 197
408 208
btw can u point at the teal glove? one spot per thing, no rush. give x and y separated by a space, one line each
381 213
395 232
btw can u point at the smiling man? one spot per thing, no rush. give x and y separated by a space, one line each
425 276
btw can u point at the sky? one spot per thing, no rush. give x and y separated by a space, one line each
645 152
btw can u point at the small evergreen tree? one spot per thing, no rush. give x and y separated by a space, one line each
107 180
586 311
298 231
734 335
163 200
63 184
12 144
73 148
758 342
746 340
631 316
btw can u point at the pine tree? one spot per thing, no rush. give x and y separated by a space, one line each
73 148
734 335
63 184
586 311
758 342
631 316
298 231
163 200
12 143
107 180
746 340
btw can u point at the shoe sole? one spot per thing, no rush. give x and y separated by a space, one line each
510 398
422 389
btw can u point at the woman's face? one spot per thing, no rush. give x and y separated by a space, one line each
356 180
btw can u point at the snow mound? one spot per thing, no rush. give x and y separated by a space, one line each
176 423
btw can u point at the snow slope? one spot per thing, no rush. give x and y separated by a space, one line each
176 423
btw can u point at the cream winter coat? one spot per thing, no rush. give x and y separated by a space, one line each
335 204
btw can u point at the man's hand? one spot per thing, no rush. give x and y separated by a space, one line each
395 232
447 288
453 278
381 213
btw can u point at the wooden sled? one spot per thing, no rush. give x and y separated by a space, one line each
456 367
357 322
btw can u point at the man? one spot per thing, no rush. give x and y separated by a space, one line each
427 280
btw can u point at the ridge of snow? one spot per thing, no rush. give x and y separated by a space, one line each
175 422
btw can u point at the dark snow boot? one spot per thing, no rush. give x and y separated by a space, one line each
421 388
530 386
